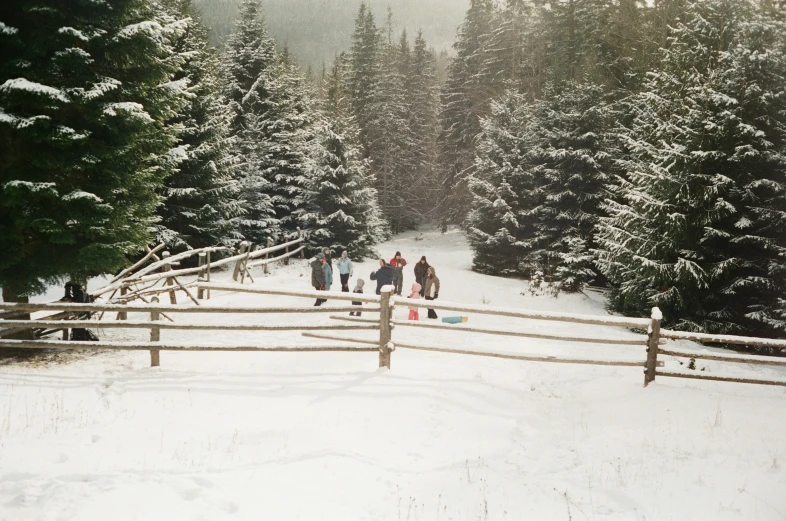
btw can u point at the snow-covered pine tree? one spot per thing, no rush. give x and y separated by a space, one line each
339 204
286 128
84 148
698 228
570 161
515 55
250 58
362 77
466 98
422 86
200 206
501 224
390 140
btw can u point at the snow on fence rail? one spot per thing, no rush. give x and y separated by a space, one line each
384 304
244 260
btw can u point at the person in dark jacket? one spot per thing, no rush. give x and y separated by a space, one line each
329 257
398 262
384 275
420 274
359 290
432 288
318 276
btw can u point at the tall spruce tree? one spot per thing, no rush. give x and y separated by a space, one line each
569 156
501 223
698 228
200 206
466 99
422 90
339 204
362 77
390 139
84 147
250 61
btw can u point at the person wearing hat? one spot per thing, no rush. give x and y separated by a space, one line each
345 270
383 276
359 290
398 263
421 268
318 275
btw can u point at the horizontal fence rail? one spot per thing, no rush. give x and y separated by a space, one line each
700 375
166 308
329 295
145 346
528 358
128 324
639 323
380 308
724 357
505 332
723 339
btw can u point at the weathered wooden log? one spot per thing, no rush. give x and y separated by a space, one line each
155 336
145 346
199 326
652 346
702 375
724 339
202 261
385 315
72 307
639 323
267 256
542 336
266 262
240 254
186 291
139 263
141 275
722 357
527 358
208 273
332 295
166 269
123 292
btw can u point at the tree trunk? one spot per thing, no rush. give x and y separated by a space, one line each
9 295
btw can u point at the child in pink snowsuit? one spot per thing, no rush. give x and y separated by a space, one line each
413 311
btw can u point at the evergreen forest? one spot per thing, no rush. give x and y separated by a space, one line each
638 146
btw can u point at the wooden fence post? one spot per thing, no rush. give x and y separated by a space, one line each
385 314
169 282
123 315
155 336
208 273
267 255
200 291
65 334
241 251
300 236
653 344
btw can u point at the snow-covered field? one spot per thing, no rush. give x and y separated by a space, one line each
328 436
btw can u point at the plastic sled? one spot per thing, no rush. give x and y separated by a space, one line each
454 320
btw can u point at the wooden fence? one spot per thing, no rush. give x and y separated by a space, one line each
654 341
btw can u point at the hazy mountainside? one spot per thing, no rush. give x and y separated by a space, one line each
314 30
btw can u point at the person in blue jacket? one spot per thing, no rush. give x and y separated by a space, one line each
384 275
345 271
328 274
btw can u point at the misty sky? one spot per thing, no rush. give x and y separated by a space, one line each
314 30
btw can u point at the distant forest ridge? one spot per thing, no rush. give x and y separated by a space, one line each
315 30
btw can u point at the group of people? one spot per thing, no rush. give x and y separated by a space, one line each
389 273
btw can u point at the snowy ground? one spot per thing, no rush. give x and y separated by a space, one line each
328 436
